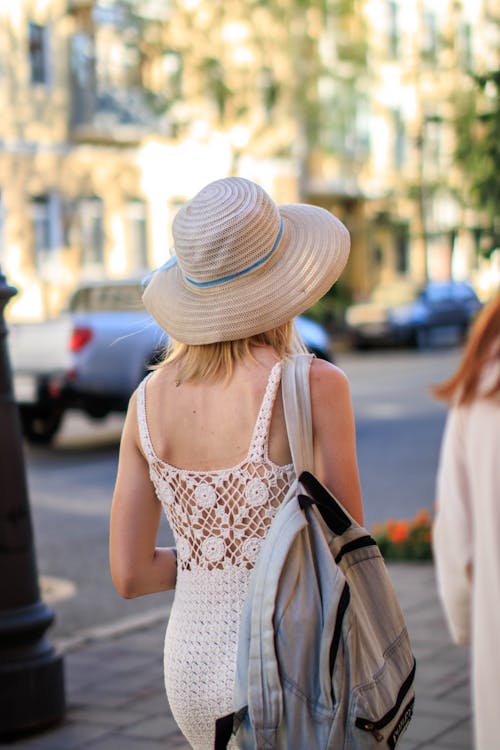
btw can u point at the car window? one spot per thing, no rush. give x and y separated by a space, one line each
463 292
119 297
456 291
438 292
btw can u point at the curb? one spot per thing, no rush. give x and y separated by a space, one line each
112 630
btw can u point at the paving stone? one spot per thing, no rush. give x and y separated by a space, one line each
120 742
113 718
149 706
177 742
407 744
458 738
426 728
152 728
67 736
132 683
428 705
38 742
94 697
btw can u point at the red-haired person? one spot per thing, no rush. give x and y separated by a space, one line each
467 526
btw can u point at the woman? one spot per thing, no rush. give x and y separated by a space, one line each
467 525
204 436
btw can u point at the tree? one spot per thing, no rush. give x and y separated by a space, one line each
478 152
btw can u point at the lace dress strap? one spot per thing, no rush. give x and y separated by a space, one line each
147 445
260 437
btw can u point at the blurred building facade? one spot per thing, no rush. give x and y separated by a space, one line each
116 111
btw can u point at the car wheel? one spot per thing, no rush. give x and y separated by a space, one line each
40 427
361 345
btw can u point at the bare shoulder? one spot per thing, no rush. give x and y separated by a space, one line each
327 379
130 427
162 379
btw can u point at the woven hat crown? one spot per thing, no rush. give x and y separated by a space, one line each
243 265
228 227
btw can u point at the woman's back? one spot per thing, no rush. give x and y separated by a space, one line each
208 425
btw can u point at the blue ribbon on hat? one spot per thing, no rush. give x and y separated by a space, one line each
231 276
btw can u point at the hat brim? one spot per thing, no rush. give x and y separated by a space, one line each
309 259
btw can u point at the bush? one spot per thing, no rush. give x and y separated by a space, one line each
330 309
405 539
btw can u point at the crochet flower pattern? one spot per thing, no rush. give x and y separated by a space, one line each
256 492
251 548
205 495
213 548
167 493
183 548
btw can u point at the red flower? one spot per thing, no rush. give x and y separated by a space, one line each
398 531
423 518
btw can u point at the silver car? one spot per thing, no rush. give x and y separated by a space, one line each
95 354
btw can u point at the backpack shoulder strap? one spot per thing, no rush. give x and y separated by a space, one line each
297 407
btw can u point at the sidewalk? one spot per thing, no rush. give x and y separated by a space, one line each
116 700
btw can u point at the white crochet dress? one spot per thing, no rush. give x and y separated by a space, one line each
219 520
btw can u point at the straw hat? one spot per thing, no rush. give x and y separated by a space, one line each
243 265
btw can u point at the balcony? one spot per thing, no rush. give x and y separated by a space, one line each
108 100
158 10
114 114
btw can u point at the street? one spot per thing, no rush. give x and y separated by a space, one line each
399 429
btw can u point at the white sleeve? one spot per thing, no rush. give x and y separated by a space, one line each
453 533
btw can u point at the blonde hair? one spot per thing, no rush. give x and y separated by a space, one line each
483 347
217 361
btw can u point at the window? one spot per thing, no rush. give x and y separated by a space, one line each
83 82
2 230
399 139
269 90
215 84
45 219
112 297
434 141
464 44
172 73
92 233
392 29
363 125
429 36
401 246
38 52
137 235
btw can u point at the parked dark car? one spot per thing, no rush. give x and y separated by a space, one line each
403 314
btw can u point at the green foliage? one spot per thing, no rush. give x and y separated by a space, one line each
216 86
405 539
477 151
329 310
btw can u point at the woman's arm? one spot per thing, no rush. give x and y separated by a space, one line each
452 533
138 566
335 460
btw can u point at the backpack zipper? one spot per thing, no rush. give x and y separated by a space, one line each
344 600
374 726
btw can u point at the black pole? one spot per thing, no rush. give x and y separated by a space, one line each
31 672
